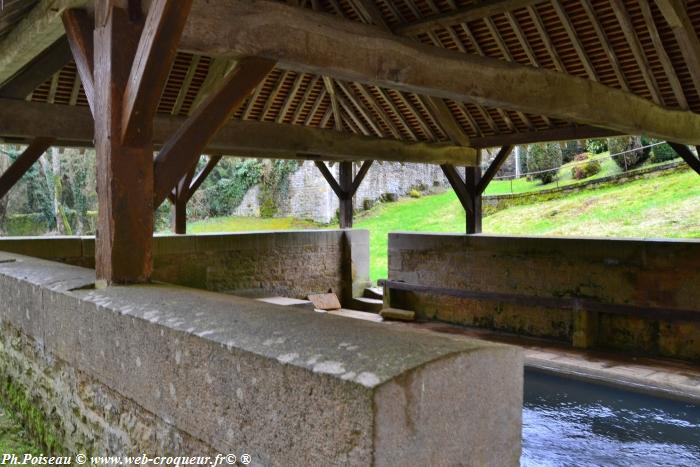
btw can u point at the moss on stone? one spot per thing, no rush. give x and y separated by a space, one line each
40 428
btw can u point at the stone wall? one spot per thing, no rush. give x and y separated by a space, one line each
310 197
287 263
163 370
617 276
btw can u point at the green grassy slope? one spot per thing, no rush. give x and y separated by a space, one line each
665 206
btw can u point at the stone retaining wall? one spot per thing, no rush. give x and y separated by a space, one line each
310 197
163 370
638 273
288 263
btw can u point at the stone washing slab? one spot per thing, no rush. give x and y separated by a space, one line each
287 386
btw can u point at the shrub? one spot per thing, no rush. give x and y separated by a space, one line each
569 150
414 193
590 168
624 144
543 157
662 152
596 146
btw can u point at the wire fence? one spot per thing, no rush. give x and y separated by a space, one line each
577 163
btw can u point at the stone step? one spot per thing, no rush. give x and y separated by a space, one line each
374 292
367 304
397 314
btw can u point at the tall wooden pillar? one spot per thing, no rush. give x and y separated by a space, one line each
345 176
472 178
178 216
124 167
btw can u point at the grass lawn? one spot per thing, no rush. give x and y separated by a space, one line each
665 206
241 224
522 185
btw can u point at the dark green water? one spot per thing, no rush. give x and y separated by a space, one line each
572 423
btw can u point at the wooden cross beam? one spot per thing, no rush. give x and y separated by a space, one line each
470 189
79 28
345 188
687 155
74 126
184 191
183 149
23 163
493 169
154 57
308 41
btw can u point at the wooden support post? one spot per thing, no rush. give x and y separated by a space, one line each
345 215
687 155
124 172
345 188
472 177
178 217
184 191
470 189
23 163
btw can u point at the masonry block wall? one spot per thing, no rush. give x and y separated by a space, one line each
287 263
163 370
649 274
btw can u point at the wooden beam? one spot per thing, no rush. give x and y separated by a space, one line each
575 41
312 42
34 34
628 30
467 192
345 205
457 183
345 187
74 126
23 163
123 247
676 15
687 155
79 31
493 169
323 168
567 133
466 14
154 58
48 63
183 149
201 176
360 176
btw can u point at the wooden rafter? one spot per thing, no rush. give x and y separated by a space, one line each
277 31
186 83
663 56
463 15
633 41
575 41
676 15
